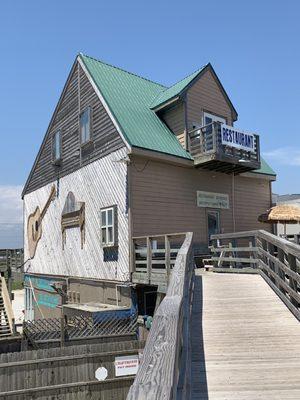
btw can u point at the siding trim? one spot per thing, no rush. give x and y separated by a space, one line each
103 101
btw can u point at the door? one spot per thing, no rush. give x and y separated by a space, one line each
213 223
208 141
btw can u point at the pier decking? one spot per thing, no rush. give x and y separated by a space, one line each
245 341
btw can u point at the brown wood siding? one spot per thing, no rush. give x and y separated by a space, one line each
206 95
163 199
105 136
174 119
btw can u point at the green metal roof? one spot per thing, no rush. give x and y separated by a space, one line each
174 90
265 168
130 99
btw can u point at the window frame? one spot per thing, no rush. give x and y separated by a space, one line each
90 113
57 160
106 226
214 117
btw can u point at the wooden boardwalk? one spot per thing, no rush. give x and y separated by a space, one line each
245 341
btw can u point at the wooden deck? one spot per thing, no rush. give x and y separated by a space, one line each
245 341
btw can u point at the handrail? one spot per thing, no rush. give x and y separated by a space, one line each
166 352
7 305
278 261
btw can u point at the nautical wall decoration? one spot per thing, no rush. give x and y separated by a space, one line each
73 215
34 224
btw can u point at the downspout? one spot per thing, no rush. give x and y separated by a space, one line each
233 201
186 134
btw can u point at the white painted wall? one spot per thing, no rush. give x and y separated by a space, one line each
99 184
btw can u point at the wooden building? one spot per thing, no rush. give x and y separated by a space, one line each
123 157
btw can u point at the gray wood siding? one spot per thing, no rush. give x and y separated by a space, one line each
100 184
205 95
78 94
163 199
174 119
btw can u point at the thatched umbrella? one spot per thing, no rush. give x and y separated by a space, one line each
283 214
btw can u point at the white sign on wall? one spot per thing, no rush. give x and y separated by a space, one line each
212 200
126 365
235 138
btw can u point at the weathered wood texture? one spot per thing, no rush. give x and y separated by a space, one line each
165 356
154 257
245 343
174 119
208 151
89 184
51 371
206 95
77 95
164 200
278 260
11 259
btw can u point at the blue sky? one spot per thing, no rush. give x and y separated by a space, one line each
253 46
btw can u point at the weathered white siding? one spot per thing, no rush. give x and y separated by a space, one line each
99 184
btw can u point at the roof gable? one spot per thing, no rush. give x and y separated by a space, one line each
182 86
129 97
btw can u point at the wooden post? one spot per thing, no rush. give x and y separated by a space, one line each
149 258
279 272
167 256
132 254
62 331
293 284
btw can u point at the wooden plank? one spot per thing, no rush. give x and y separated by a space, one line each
245 342
164 343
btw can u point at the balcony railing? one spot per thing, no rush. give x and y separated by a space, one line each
210 151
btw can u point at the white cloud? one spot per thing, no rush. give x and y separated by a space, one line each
284 155
11 206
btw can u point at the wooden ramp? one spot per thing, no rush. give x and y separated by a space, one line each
245 341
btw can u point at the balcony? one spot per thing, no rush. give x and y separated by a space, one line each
222 148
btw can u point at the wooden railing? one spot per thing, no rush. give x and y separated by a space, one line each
278 261
7 306
164 369
11 259
154 257
205 144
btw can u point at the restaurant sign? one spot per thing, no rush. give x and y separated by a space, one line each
235 138
212 200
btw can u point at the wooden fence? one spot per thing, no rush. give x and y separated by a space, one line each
278 261
154 257
164 370
67 373
62 330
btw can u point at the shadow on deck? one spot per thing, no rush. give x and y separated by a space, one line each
198 368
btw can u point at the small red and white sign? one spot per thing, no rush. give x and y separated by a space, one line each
127 365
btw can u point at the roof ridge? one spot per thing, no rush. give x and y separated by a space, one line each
196 70
123 70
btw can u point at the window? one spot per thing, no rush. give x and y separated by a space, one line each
209 118
108 223
56 146
213 223
85 126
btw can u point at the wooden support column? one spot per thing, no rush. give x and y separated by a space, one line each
149 258
167 257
